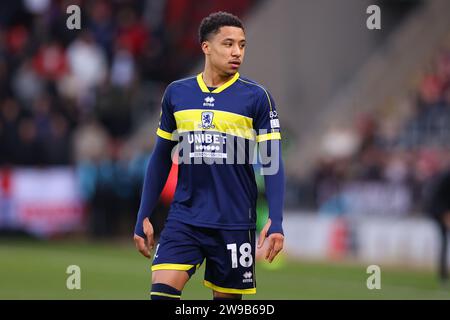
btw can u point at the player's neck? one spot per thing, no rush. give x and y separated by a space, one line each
214 79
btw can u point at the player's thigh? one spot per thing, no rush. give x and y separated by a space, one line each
173 278
177 256
231 296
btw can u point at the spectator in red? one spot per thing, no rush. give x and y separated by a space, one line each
50 61
132 33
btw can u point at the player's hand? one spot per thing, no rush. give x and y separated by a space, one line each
276 241
146 245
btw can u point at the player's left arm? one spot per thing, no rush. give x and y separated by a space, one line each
274 181
267 125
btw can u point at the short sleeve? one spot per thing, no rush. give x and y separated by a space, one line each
266 122
167 124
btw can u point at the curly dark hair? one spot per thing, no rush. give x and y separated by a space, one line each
212 23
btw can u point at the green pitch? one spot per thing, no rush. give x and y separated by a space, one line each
37 270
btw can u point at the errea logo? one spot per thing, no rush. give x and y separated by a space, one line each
247 277
209 102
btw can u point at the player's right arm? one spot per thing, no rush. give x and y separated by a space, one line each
158 170
155 178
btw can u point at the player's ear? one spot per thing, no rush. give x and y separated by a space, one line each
205 47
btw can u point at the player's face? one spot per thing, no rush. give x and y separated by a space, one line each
226 49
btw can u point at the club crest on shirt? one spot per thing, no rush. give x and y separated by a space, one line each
207 119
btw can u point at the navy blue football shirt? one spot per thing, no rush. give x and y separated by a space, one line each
217 129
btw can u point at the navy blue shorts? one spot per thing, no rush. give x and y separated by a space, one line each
229 255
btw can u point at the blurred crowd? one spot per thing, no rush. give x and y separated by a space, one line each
110 73
90 97
381 165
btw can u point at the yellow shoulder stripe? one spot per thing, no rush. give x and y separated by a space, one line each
164 134
268 136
